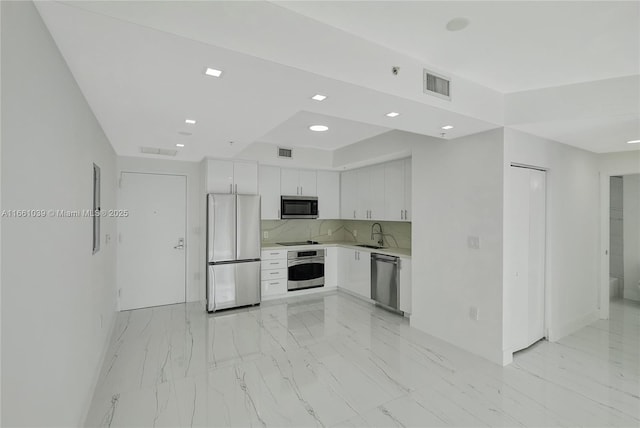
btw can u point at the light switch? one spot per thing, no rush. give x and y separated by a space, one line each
265 235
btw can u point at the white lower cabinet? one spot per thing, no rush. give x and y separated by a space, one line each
273 273
331 267
405 285
355 274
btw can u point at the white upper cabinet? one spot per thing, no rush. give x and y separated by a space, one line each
269 186
371 193
232 177
349 194
394 190
378 192
245 176
397 190
328 194
407 189
219 176
298 182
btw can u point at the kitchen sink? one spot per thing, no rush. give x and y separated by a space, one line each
375 247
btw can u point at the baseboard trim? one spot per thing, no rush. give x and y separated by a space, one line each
558 333
96 376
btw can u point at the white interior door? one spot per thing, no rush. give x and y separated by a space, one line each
525 232
151 240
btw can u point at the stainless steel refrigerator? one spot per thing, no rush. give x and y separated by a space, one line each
233 251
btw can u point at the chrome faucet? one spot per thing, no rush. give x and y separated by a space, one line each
381 239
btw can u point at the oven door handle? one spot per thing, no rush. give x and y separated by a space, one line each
305 261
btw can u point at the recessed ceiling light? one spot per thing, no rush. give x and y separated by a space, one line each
319 97
392 114
447 127
319 128
179 145
213 72
457 24
633 142
190 121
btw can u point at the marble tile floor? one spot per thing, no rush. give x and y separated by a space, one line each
336 361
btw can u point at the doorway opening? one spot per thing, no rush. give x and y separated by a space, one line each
624 240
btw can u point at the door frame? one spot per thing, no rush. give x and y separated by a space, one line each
547 257
605 238
186 222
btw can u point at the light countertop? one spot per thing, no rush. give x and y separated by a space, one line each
392 251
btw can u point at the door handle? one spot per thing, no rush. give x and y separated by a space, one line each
180 245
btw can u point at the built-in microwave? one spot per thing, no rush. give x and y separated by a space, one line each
298 207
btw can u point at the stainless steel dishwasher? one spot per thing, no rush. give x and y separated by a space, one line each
385 281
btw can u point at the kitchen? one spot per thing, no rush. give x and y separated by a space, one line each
186 99
313 218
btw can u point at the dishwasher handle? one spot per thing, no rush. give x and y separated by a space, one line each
385 258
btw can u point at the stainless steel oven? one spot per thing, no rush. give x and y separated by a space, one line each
305 269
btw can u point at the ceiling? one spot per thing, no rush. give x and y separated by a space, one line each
509 46
140 65
295 131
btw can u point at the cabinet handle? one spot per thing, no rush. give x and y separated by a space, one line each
274 254
273 273
401 214
274 263
300 190
236 188
273 283
354 213
406 216
230 188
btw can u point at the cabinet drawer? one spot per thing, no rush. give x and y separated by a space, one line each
274 254
269 274
274 287
274 264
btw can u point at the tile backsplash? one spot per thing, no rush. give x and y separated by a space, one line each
396 234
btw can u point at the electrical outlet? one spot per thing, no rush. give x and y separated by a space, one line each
329 232
355 233
474 313
265 235
473 242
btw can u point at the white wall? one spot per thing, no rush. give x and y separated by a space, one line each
58 299
631 219
195 226
572 227
381 148
458 191
303 157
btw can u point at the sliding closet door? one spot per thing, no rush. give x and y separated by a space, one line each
525 231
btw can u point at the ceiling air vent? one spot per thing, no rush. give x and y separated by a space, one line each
436 84
285 153
157 151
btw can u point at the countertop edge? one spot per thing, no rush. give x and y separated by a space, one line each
399 252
